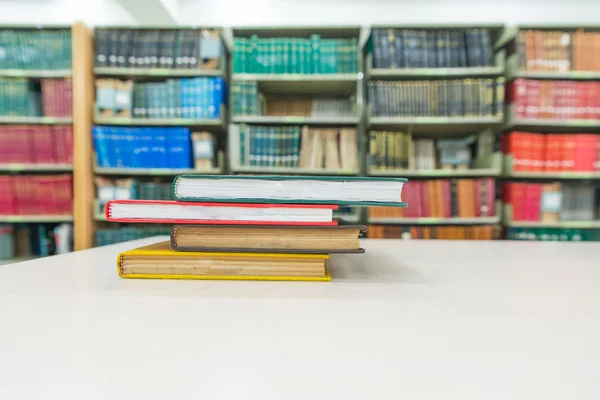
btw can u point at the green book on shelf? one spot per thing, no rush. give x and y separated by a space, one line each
290 189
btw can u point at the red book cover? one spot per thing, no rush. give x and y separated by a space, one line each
539 144
581 100
590 100
424 199
478 188
568 152
552 160
534 101
585 152
596 100
408 195
447 199
491 196
43 144
570 100
516 199
431 199
215 219
68 97
536 197
68 135
528 201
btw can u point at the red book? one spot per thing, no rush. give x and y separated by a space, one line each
581 100
43 144
516 199
534 101
568 152
424 192
413 193
156 211
570 100
585 152
491 196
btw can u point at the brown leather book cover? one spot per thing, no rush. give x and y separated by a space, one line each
176 247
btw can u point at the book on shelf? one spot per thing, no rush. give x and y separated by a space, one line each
268 239
290 189
185 98
398 150
551 202
443 198
554 99
133 147
299 147
35 240
159 261
35 49
204 150
179 212
411 48
295 55
47 97
246 100
172 48
471 97
553 234
36 144
106 236
558 51
552 152
406 232
36 195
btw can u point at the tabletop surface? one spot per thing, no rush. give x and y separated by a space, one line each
408 319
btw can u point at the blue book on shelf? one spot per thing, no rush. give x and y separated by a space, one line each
160 146
98 137
184 98
219 96
199 91
210 98
193 98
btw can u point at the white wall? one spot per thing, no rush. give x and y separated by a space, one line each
313 12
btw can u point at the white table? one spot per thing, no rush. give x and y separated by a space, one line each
407 320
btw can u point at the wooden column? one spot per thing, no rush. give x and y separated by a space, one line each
83 92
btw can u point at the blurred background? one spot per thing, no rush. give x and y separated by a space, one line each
491 109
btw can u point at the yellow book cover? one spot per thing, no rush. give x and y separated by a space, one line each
159 261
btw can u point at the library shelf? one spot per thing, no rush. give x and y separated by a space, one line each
10 119
292 170
303 83
552 175
466 72
16 167
36 218
158 72
545 124
509 222
513 71
436 221
36 73
347 77
157 121
155 171
443 125
294 120
436 173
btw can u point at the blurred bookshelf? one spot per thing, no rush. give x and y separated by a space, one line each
36 141
160 97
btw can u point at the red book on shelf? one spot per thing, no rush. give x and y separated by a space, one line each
581 100
536 197
585 152
515 196
491 196
534 99
596 98
156 211
568 152
517 95
43 144
424 192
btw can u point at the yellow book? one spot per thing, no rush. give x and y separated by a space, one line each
159 261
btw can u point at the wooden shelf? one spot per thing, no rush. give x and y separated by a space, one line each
291 170
35 120
157 121
159 72
375 73
292 120
154 171
36 218
436 221
34 73
36 167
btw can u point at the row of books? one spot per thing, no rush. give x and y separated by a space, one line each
282 55
444 198
443 98
479 232
246 100
553 234
193 98
48 97
36 194
405 48
553 152
158 48
398 150
35 144
133 147
39 49
293 146
106 236
550 99
558 51
128 188
33 240
551 201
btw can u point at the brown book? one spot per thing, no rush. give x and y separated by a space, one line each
530 50
267 239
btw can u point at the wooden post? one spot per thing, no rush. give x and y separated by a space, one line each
83 92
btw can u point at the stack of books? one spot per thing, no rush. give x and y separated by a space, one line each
282 229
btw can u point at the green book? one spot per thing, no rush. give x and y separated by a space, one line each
242 146
315 42
290 189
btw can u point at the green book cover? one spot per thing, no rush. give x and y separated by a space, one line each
253 53
242 148
301 56
315 42
283 178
